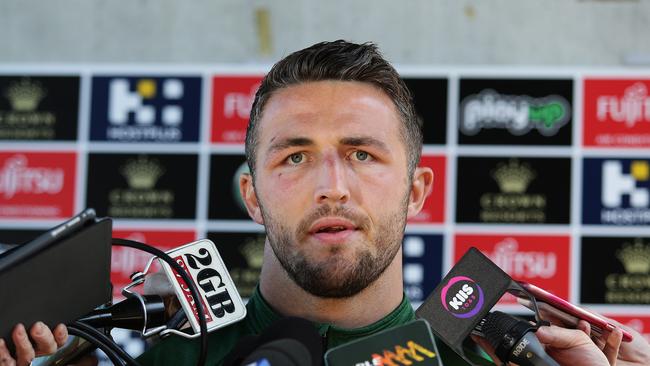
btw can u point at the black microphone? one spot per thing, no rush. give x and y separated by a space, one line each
514 340
290 341
129 314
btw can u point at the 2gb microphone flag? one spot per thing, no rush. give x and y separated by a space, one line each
219 296
464 297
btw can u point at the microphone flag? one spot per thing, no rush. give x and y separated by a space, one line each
221 300
411 343
464 297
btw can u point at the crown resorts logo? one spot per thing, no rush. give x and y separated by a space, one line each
630 108
24 121
246 277
141 199
516 113
513 204
618 185
462 297
133 114
142 173
25 95
632 287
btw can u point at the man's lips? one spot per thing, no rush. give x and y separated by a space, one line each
331 225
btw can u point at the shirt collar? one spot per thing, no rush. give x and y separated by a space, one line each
261 315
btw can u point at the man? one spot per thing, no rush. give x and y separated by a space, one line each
333 147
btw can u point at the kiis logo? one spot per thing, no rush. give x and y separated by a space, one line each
16 177
517 113
462 297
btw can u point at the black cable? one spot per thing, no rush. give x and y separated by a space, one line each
203 353
115 359
106 340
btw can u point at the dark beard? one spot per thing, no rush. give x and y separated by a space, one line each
335 277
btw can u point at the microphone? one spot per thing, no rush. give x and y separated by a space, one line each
218 295
407 344
129 314
514 340
464 298
290 341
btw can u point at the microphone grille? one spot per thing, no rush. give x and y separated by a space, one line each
496 325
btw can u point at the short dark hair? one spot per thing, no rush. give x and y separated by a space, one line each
343 61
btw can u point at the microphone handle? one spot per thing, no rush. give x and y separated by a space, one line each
529 352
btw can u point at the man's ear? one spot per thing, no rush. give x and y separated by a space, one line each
420 189
247 191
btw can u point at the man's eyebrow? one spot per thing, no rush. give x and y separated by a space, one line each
365 141
289 142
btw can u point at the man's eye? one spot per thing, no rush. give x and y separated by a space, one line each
296 158
361 155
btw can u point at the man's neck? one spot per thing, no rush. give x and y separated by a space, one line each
368 306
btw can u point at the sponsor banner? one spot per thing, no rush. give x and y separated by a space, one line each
38 185
616 191
615 270
232 98
616 112
145 108
513 190
433 210
430 98
225 202
640 323
515 111
542 260
125 261
422 264
145 186
243 254
39 107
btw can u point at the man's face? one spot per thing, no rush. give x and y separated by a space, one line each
332 184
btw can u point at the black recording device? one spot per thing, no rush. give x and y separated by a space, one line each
43 279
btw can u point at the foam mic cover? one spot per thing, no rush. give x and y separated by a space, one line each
514 340
282 352
296 329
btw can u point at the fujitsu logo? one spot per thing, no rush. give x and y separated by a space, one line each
16 178
523 264
630 108
237 104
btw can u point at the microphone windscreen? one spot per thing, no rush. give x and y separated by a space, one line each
281 352
290 328
298 329
496 326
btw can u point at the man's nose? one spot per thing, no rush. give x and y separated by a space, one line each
332 182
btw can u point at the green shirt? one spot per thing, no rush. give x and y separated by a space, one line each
179 351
